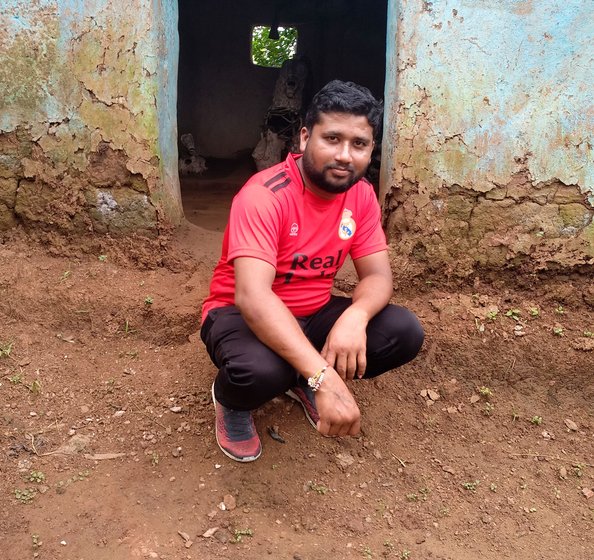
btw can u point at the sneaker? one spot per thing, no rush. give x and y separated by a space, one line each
303 394
236 433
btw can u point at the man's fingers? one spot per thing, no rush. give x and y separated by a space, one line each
355 427
351 367
329 356
345 429
361 364
338 429
323 427
341 366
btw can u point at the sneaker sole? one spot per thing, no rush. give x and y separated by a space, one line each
238 459
294 396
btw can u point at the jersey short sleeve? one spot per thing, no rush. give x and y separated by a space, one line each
254 224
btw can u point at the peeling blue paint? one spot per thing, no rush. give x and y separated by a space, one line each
109 67
166 40
511 79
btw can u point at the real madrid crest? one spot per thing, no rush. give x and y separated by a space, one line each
347 226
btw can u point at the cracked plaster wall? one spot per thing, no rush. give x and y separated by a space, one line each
488 151
88 115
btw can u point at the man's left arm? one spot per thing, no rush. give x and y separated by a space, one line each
346 345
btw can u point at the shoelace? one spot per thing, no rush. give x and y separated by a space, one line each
238 421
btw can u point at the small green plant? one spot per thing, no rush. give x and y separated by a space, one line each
558 331
513 314
405 554
589 334
578 469
25 496
102 258
35 387
493 487
81 476
35 541
559 309
16 379
36 476
412 497
154 459
471 486
444 511
238 535
489 408
128 328
65 275
536 420
534 311
367 552
148 300
389 545
485 392
5 349
319 488
515 415
492 315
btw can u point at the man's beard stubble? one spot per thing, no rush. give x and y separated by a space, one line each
318 178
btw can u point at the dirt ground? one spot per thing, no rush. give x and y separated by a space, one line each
483 447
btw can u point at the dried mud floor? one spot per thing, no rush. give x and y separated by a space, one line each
483 447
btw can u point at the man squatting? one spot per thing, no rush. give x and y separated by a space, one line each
270 323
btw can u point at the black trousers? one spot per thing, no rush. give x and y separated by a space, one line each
251 374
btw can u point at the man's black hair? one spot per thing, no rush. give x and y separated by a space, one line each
345 97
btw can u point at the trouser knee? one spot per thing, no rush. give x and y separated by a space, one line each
254 380
395 337
411 334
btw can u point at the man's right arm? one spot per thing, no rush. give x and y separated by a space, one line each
272 322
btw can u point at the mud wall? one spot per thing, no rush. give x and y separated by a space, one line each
88 116
488 152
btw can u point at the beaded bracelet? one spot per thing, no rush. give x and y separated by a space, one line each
315 381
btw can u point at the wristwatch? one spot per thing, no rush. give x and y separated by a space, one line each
315 381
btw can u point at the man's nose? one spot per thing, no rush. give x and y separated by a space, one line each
343 153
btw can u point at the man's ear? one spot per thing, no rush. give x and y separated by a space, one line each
303 138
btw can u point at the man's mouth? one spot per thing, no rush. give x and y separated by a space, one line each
340 171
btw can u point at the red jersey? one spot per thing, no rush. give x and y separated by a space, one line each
304 237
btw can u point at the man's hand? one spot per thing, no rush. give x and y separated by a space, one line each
339 413
346 345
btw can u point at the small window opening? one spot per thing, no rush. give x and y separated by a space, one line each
272 46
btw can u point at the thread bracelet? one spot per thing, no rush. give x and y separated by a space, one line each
315 381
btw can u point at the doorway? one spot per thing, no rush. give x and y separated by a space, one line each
223 96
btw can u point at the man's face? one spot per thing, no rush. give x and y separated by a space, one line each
336 152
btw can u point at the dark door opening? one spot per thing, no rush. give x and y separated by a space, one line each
224 97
